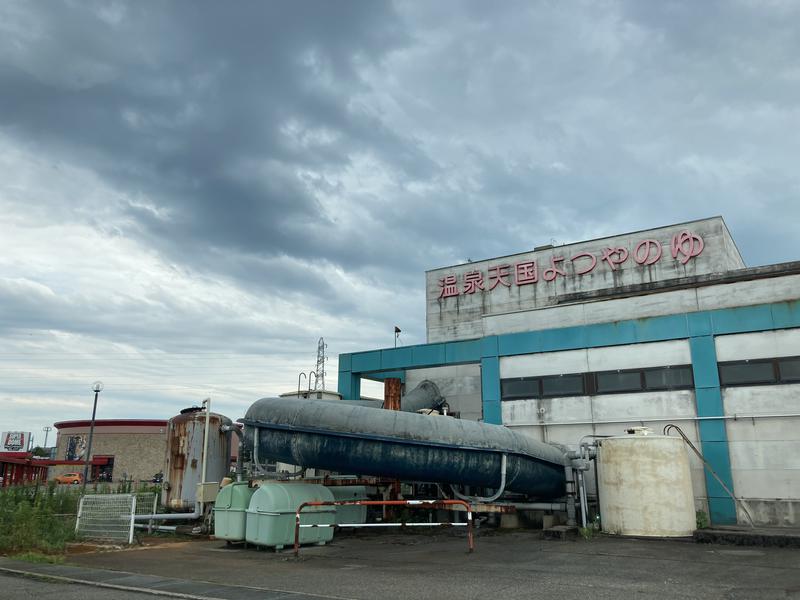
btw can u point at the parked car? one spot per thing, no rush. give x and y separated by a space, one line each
73 478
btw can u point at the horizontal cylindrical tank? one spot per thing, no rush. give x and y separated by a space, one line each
645 486
271 514
185 456
408 446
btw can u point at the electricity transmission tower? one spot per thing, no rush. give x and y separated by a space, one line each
319 380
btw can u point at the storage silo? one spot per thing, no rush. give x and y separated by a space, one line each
645 486
184 462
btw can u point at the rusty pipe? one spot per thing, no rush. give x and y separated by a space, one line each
429 504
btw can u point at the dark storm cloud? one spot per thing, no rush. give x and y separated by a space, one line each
209 114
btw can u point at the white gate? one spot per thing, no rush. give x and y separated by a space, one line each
106 517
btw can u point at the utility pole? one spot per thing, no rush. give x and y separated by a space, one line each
97 387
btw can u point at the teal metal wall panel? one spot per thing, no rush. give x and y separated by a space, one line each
721 510
430 355
704 363
709 401
786 314
490 346
396 358
713 430
463 352
363 362
716 453
345 362
564 338
511 344
659 329
611 334
746 318
699 324
490 390
713 434
349 385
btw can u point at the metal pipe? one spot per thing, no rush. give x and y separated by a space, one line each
425 524
500 491
429 504
207 403
734 417
561 506
170 528
301 374
172 516
240 453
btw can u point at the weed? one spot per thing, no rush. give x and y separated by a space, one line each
701 519
38 557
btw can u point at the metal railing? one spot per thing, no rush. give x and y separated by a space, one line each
428 504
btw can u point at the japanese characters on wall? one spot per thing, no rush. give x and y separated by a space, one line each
459 297
684 246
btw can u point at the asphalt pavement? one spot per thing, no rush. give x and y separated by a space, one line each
511 566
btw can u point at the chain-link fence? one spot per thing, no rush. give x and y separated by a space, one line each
107 517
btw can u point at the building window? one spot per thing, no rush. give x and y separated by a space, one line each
760 372
789 369
563 385
523 387
747 372
612 382
668 378
677 377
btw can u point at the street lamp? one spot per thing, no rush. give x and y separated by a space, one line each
97 387
47 431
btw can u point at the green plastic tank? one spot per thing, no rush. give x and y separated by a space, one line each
230 511
271 515
350 514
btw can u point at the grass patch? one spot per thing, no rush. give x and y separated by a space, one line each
37 519
39 558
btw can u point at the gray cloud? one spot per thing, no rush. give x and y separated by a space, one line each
190 175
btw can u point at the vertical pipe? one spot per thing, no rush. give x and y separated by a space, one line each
391 393
200 505
207 402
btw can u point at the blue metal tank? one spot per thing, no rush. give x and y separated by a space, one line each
345 438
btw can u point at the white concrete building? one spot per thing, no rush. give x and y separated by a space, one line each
648 328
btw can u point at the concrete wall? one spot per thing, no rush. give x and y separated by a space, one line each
460 385
764 452
565 420
630 356
139 455
730 295
459 317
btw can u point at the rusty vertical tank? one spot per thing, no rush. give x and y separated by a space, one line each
185 456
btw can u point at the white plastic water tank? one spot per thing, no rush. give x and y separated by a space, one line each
645 486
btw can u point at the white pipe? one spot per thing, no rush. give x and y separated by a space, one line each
382 525
172 516
171 528
734 417
207 402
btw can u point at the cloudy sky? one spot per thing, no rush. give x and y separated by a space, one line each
194 192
